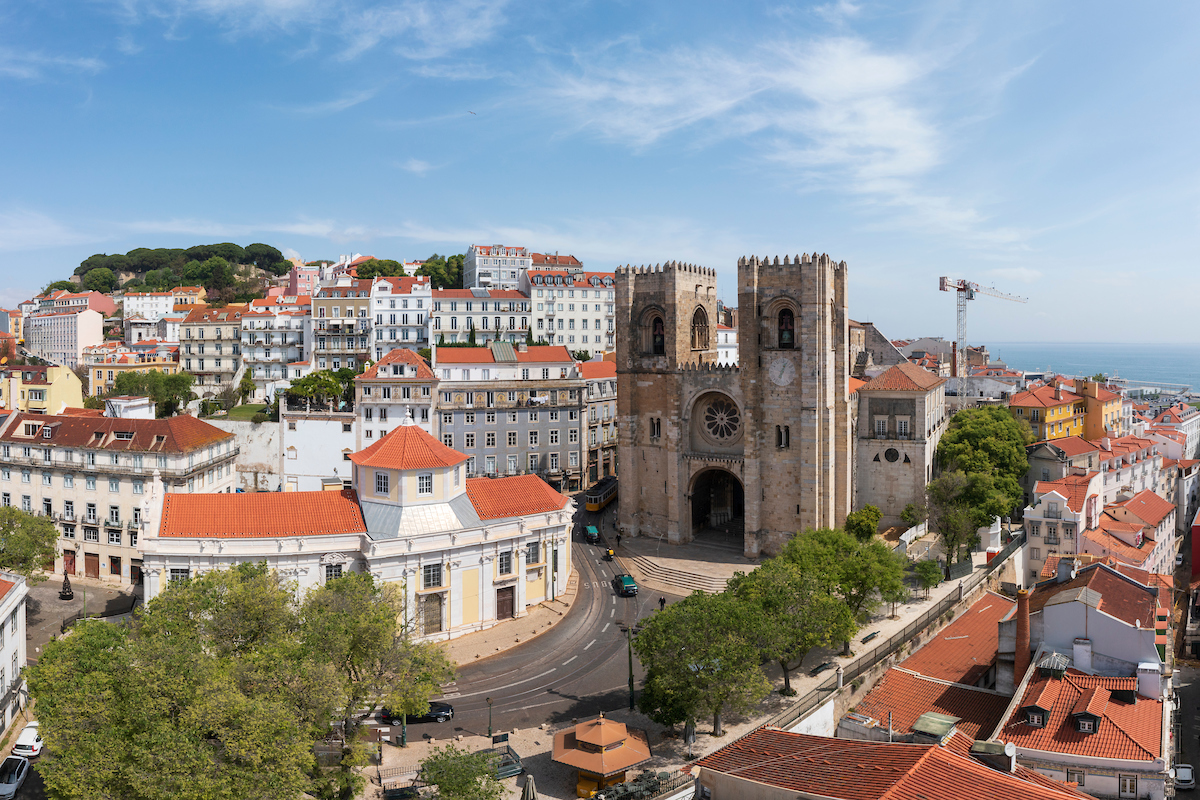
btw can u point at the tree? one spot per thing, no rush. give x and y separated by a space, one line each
57 286
471 335
100 280
246 386
929 575
702 643
961 503
319 387
913 515
988 441
169 392
444 272
662 699
375 268
266 257
582 355
92 262
864 523
27 543
461 775
794 612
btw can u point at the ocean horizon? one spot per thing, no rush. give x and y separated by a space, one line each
1150 363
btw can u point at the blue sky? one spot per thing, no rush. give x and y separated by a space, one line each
1047 148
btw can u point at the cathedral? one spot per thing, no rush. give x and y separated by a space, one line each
747 454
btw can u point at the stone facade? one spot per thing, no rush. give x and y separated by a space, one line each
762 449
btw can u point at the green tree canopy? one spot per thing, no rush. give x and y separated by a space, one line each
380 268
321 387
60 285
988 441
703 649
959 504
864 523
445 272
928 575
266 257
26 543
169 392
461 775
100 280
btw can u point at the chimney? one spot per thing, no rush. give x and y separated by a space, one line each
1058 391
523 347
1021 664
1083 654
1149 680
1001 757
1067 568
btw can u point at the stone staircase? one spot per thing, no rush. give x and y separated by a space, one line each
687 582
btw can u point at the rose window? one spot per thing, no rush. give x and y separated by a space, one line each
722 419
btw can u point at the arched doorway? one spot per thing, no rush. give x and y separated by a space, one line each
718 509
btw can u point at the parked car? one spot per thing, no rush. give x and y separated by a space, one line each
13 772
438 712
29 743
1185 776
625 585
1179 559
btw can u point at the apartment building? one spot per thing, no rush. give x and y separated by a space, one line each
93 476
60 335
399 386
212 347
727 346
151 306
1130 464
272 342
10 321
1052 411
401 309
513 411
493 315
495 266
303 279
574 309
39 389
63 300
104 365
189 295
601 412
1051 460
1185 418
14 589
341 323
1060 513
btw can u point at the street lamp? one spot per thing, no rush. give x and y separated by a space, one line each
489 702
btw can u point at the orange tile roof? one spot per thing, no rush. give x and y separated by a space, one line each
1148 507
1070 445
1125 730
5 586
199 314
408 447
963 651
1050 568
1043 397
260 515
556 259
1072 487
906 696
497 498
594 370
856 384
178 434
398 356
854 769
903 377
1120 596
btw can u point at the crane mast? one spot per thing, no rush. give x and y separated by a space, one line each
965 292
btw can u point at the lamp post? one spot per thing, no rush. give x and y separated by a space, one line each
404 729
489 702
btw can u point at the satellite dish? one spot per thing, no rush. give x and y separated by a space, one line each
1010 749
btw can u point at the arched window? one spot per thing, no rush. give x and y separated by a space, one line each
787 329
658 337
783 436
700 330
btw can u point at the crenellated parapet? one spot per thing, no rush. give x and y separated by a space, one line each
822 260
669 266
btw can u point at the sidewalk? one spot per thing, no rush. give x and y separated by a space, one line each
537 620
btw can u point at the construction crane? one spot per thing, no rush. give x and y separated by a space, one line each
966 291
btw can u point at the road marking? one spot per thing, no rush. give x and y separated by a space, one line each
589 644
569 660
527 680
614 599
602 630
452 694
612 613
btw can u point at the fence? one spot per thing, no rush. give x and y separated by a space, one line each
860 665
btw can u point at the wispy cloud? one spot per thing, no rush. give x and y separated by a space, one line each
339 104
416 166
21 229
422 28
32 65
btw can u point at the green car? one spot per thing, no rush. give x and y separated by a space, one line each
591 535
625 585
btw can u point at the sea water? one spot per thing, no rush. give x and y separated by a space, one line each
1168 363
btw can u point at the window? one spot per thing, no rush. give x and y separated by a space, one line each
333 571
572 436
347 427
447 419
1128 786
469 440
46 481
91 534
533 416
425 483
114 484
512 438
1035 553
532 553
554 436
506 565
490 419
881 427
68 531
382 483
469 418
114 515
1035 719
27 504
490 439
1075 776
178 575
448 439
787 329
1087 725
554 462
68 509
700 330
26 476
114 536
533 438
431 576
902 427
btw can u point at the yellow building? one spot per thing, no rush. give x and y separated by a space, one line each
1102 410
39 389
189 295
1052 411
103 370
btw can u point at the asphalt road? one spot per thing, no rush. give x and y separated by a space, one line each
1187 691
577 669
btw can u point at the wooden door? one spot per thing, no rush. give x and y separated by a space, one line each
91 565
69 561
135 574
504 602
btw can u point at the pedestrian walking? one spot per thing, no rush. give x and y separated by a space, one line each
618 540
662 603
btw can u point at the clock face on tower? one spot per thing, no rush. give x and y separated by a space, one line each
781 372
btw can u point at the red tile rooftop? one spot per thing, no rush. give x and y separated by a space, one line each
499 498
906 695
964 650
408 447
260 515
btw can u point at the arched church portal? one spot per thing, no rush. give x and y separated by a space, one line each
718 509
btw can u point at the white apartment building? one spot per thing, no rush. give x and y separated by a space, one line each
572 309
151 306
495 266
1129 464
272 341
493 314
1059 514
399 386
59 336
400 308
727 346
13 591
601 411
94 475
167 328
1184 418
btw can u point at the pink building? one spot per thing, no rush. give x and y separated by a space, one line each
303 280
